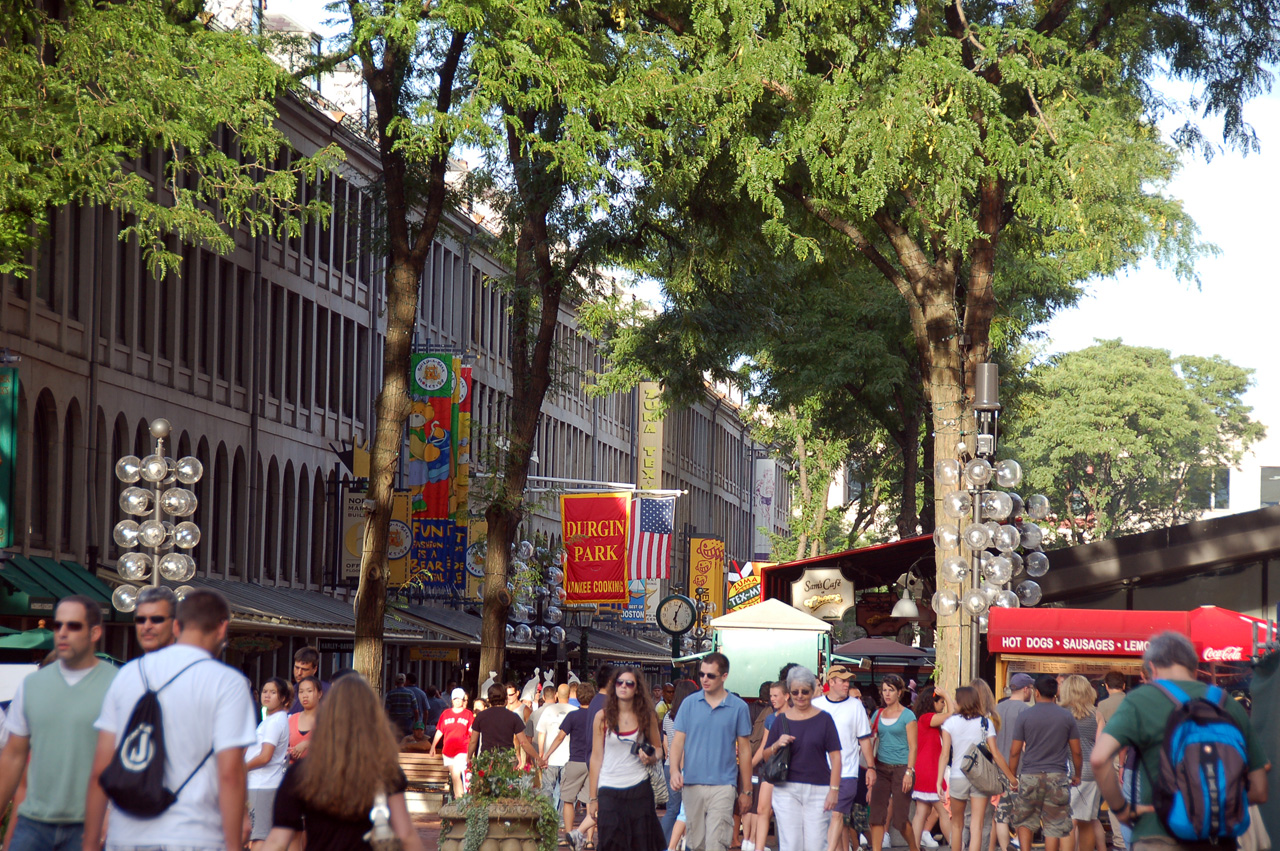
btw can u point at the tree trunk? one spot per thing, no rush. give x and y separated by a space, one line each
908 515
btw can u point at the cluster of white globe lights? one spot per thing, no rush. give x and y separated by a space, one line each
523 611
1003 523
164 494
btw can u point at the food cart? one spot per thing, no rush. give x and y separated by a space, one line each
760 639
1094 641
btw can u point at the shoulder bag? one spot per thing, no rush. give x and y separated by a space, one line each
775 768
382 837
978 766
657 780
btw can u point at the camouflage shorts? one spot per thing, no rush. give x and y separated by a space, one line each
859 818
1043 801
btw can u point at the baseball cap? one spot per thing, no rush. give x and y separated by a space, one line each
1018 681
457 694
839 672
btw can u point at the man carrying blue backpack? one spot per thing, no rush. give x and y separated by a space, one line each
1200 764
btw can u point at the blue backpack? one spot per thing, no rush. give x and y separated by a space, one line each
1201 794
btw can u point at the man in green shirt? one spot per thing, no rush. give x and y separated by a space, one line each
51 723
1139 722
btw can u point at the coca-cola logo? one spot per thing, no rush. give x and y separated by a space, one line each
1224 654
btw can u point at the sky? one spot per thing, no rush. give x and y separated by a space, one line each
1232 314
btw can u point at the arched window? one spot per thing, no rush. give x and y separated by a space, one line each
206 507
302 531
44 436
286 510
238 548
72 502
320 534
271 528
216 535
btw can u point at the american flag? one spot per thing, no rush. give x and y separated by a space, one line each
652 520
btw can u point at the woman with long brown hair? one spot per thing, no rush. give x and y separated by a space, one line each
967 727
627 740
353 757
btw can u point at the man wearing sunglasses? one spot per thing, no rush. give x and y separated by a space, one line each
51 721
855 739
154 620
710 756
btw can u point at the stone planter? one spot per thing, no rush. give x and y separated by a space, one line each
513 826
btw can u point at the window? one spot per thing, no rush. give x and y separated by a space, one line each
1270 486
322 357
291 347
324 226
78 215
189 327
46 252
124 288
164 298
335 362
247 340
274 341
226 320
305 359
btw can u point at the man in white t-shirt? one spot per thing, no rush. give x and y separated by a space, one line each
855 734
208 709
548 728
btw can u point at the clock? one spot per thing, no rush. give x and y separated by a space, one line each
676 614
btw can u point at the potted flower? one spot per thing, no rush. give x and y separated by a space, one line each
502 811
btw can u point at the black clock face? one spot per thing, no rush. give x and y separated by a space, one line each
676 615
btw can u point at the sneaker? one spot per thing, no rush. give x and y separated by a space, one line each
887 843
927 840
748 845
576 840
862 842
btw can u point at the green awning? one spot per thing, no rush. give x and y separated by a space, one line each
32 639
39 582
24 593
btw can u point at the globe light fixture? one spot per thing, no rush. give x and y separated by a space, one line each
156 496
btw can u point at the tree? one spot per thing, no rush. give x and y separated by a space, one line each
103 83
1124 439
950 147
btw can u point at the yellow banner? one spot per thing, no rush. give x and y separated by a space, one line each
649 438
399 539
706 570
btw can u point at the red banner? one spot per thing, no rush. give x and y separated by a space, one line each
595 547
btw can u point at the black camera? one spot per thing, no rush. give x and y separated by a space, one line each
638 747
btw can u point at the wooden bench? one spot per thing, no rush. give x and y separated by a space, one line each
430 785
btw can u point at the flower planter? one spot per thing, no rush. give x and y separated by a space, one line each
508 825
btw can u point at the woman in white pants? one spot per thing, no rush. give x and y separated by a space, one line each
801 804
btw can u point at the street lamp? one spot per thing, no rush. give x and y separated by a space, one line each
162 543
536 613
992 525
582 619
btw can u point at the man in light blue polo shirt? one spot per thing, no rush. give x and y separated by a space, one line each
710 755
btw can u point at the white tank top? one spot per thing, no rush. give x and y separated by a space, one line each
620 769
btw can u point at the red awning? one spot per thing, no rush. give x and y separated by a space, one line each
1219 635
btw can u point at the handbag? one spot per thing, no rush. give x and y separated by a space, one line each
980 769
381 837
775 768
657 780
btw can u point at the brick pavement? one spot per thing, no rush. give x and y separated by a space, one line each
429 829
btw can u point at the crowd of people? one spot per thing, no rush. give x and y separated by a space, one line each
172 751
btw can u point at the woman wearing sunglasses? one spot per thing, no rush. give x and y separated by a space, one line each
801 804
626 740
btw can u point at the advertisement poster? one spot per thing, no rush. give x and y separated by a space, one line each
439 551
763 489
642 602
432 416
594 529
399 538
706 570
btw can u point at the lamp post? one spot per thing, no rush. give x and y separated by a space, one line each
582 618
162 543
996 525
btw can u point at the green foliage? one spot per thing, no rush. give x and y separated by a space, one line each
1124 439
86 93
496 779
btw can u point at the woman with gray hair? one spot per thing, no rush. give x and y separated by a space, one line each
801 804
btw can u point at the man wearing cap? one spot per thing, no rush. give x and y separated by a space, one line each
855 735
1020 687
454 730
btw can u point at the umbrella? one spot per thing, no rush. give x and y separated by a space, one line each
875 647
32 639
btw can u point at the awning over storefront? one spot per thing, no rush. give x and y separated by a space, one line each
1219 635
865 567
269 608
33 585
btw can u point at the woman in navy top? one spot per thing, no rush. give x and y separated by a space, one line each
801 804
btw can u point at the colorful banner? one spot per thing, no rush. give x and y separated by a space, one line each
462 443
399 537
642 602
649 437
8 450
438 554
763 489
743 593
594 529
706 570
432 419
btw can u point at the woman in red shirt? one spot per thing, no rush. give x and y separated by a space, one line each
454 729
931 708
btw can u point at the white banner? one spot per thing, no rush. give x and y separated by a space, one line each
763 490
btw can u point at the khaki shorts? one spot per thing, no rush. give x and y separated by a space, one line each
1085 800
1043 801
573 782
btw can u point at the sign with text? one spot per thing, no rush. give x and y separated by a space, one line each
8 450
436 557
399 537
649 437
706 570
336 645
743 593
594 529
433 654
823 592
1082 645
